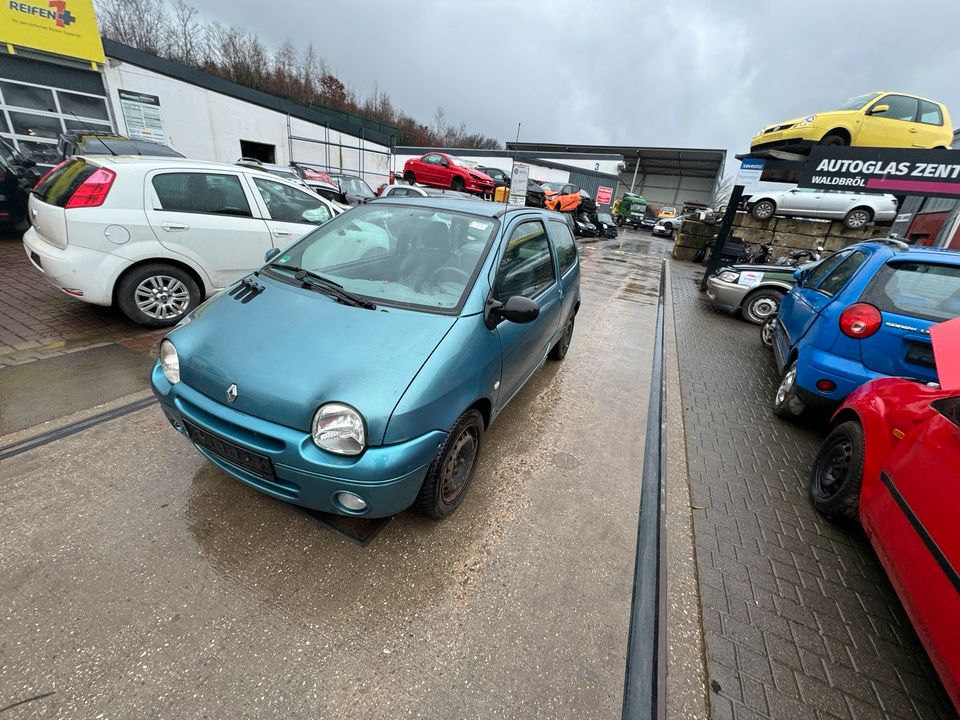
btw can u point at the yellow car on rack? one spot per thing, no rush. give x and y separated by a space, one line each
877 119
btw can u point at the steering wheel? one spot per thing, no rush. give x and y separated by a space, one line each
465 276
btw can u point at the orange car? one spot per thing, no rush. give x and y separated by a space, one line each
667 212
561 196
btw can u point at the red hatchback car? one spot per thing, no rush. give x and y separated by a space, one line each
893 461
447 171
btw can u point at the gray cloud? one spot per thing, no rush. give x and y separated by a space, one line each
696 73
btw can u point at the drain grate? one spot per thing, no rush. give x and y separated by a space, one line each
361 531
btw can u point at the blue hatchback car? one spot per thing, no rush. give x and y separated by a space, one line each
357 370
862 313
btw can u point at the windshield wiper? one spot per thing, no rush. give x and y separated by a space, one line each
331 287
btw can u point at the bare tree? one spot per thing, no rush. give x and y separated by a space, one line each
186 34
724 189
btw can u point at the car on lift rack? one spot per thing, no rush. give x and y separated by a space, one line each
861 314
441 170
891 463
855 209
469 297
877 119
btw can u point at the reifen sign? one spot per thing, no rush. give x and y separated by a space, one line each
898 171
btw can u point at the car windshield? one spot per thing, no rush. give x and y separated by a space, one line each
605 217
355 186
462 163
856 103
555 187
401 254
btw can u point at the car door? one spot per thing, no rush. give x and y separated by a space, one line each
429 171
896 126
835 204
209 217
800 307
804 202
290 213
526 267
568 263
922 477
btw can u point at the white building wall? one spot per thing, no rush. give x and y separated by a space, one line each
209 126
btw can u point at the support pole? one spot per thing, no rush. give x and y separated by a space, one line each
714 262
635 168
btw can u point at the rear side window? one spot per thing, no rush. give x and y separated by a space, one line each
923 290
565 244
836 280
201 193
930 113
58 187
822 270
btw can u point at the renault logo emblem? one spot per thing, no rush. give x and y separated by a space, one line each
232 393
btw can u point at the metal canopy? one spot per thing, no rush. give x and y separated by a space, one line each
682 162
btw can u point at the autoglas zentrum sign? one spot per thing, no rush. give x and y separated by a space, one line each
63 27
883 170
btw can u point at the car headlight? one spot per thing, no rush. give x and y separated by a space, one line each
169 362
806 121
339 429
729 276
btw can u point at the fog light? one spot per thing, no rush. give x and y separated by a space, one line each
351 502
826 385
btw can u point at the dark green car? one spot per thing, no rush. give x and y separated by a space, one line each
755 290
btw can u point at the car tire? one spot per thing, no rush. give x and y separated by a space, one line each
858 218
559 351
837 474
833 139
157 295
21 225
758 305
766 332
448 478
409 178
458 184
787 403
764 209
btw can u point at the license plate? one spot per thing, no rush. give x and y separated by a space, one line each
920 354
253 463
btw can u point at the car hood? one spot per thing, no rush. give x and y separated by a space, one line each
289 350
477 175
769 269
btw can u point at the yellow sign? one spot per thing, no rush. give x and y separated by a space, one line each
63 27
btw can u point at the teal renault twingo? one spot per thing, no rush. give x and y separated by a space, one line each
357 371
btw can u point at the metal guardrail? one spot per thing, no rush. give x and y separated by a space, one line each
644 687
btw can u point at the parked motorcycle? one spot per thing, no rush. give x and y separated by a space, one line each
799 257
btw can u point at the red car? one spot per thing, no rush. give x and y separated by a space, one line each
893 461
440 170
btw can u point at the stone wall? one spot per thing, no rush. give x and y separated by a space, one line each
783 234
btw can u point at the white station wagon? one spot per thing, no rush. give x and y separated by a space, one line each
855 209
154 236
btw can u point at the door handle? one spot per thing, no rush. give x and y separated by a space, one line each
173 227
913 130
281 233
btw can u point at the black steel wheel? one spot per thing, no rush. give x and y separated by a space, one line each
833 139
559 351
452 470
837 474
458 184
410 178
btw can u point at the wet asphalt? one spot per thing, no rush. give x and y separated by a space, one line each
140 581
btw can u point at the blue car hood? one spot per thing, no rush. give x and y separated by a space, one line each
289 350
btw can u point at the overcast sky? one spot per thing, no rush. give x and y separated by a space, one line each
693 73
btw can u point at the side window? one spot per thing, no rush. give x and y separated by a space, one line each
565 244
930 113
527 266
432 159
823 269
835 281
201 193
287 204
901 107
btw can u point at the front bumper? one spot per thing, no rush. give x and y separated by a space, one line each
79 272
659 230
795 139
725 293
473 186
388 477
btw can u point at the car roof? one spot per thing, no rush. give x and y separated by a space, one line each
907 94
914 252
475 206
164 160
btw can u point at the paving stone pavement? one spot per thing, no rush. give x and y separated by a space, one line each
799 618
38 321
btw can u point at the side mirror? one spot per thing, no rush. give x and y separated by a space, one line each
517 309
878 109
445 163
271 254
29 163
799 276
